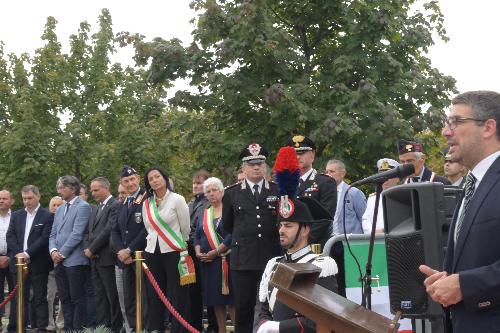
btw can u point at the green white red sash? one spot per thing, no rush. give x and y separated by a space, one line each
213 242
174 240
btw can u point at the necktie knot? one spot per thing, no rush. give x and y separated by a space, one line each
130 199
256 192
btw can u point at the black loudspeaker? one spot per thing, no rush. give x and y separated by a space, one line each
417 218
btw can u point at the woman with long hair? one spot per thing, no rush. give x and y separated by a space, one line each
212 244
166 218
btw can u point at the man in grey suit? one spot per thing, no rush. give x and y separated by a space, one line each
102 261
66 250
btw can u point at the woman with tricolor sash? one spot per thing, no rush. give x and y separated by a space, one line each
211 243
166 218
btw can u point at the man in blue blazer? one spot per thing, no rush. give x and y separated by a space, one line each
66 249
28 238
470 282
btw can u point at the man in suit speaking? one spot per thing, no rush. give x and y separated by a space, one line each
66 249
470 283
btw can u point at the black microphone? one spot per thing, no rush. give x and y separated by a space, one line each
400 171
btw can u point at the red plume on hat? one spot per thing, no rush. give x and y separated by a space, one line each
286 169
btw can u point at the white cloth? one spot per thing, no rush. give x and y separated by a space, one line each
368 215
4 226
269 326
29 222
174 210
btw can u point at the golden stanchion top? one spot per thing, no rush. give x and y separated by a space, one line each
20 261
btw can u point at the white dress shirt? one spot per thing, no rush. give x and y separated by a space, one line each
4 226
306 175
29 222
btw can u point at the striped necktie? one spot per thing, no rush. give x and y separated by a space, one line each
470 184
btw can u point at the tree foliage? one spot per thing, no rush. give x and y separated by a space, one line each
77 113
352 75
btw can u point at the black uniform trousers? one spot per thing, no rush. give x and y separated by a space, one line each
163 266
37 281
245 291
108 311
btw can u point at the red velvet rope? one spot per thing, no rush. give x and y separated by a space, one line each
166 302
8 298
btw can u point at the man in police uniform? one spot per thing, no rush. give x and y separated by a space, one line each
249 214
411 152
313 184
295 227
129 235
384 164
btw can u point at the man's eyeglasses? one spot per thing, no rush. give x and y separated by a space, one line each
453 122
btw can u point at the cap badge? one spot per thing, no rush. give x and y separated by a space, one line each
409 147
385 165
297 140
286 208
254 149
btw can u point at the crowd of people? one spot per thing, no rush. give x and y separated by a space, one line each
211 257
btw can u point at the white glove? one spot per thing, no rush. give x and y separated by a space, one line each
269 327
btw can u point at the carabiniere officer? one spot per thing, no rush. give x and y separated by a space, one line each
249 214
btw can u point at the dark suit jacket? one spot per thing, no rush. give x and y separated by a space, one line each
97 239
253 225
322 188
476 258
38 239
129 231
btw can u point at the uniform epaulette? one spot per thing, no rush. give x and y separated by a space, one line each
327 264
231 186
372 194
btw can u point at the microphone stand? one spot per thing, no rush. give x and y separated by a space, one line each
367 291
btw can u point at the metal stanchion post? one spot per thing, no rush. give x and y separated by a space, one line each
138 291
20 293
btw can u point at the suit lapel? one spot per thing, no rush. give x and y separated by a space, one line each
487 183
23 225
426 176
93 218
70 214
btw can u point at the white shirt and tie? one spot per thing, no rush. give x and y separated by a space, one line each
477 174
253 188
